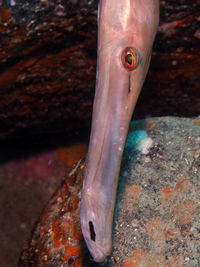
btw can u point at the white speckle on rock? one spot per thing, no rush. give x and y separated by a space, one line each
125 173
144 145
12 2
22 226
174 62
187 259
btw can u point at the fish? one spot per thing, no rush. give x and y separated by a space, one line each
126 32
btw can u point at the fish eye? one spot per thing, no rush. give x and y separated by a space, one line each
130 58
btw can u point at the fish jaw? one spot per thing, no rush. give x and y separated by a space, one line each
117 91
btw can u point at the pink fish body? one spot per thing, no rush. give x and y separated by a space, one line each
126 31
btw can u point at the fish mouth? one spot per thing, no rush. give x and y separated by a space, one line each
98 254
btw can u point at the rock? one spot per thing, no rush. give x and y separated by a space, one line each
47 66
57 238
157 210
157 220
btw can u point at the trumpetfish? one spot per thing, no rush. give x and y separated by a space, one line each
126 31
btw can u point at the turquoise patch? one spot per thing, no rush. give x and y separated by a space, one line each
134 138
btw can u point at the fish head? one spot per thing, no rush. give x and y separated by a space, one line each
126 31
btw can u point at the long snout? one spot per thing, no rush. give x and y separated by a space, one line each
123 60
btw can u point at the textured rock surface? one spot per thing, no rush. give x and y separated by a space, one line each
57 238
47 66
158 210
157 217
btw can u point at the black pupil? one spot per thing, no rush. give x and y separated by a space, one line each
128 59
